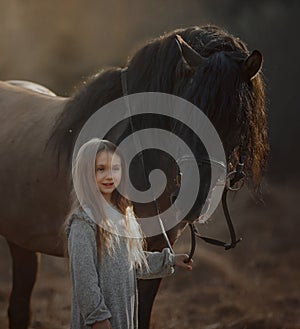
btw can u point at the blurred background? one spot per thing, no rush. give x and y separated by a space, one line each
60 43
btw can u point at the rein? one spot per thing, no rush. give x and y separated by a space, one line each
232 179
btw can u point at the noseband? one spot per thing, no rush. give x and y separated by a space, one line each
232 179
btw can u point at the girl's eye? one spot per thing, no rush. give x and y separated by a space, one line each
116 168
100 169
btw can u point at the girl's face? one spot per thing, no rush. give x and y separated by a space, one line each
108 172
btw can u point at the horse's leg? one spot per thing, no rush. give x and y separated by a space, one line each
25 266
147 291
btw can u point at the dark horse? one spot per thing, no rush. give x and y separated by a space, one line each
204 65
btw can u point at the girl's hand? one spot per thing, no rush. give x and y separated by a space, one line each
105 324
179 261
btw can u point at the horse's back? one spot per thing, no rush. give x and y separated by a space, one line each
27 93
21 108
26 116
29 85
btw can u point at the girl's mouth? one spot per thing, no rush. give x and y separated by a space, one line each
108 184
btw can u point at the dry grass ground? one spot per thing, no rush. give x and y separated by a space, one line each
256 286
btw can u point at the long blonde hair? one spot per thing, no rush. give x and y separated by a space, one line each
85 194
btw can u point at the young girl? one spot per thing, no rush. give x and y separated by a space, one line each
105 244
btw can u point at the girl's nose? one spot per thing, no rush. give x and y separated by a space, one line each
108 174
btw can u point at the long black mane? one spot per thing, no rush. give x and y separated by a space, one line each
233 103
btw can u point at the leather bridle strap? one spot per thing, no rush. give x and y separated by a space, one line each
239 174
227 246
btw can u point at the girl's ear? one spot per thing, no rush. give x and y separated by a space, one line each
189 55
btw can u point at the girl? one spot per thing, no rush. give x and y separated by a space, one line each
105 244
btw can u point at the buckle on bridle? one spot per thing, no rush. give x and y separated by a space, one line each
235 180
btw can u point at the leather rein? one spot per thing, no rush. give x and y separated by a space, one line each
232 179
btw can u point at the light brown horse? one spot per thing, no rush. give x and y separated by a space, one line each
211 69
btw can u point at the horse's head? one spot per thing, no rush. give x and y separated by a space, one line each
210 69
214 71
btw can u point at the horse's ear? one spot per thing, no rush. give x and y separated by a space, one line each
190 55
252 64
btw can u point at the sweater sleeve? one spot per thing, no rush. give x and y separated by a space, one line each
83 267
161 264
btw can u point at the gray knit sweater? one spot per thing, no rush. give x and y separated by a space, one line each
106 288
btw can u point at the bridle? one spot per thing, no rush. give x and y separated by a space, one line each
238 176
234 182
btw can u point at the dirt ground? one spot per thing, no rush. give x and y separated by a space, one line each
255 286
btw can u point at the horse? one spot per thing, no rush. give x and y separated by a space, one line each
205 65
